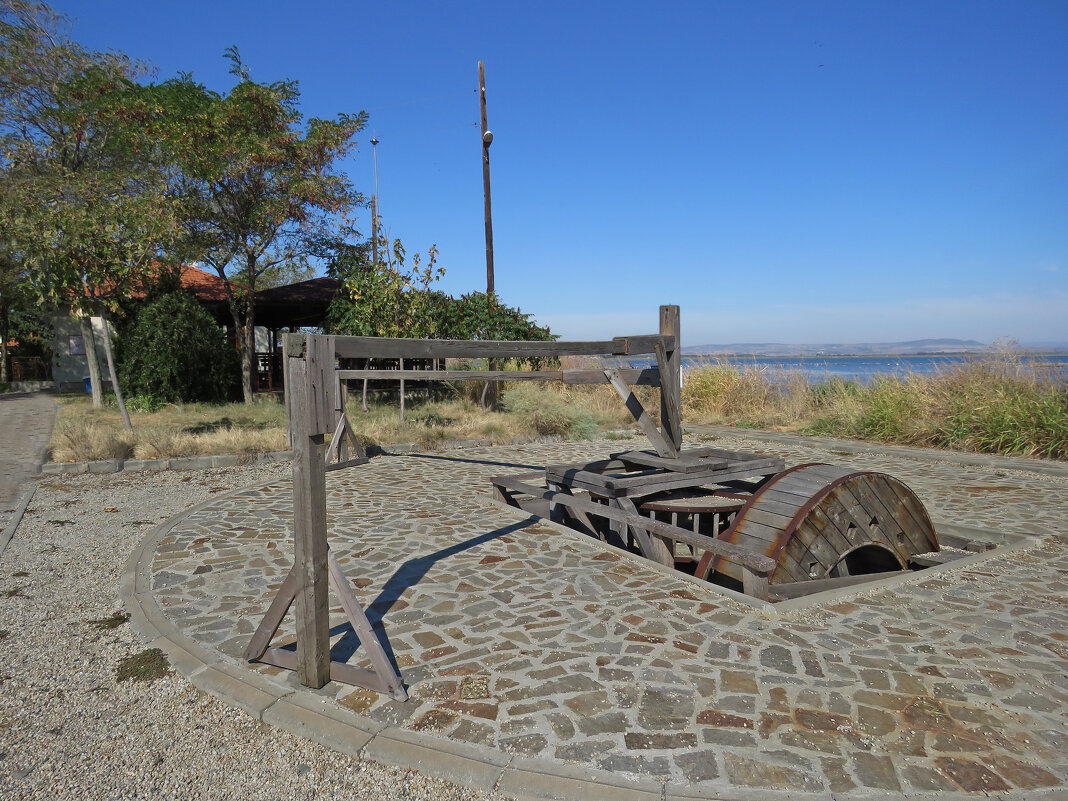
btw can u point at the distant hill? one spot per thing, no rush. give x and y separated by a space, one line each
916 346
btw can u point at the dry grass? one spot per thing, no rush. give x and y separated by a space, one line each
994 405
528 410
83 433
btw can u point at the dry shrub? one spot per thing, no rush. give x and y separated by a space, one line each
156 443
719 393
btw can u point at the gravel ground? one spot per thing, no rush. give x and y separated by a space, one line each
69 729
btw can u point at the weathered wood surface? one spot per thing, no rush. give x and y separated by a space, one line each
276 613
307 424
368 637
812 518
755 561
648 377
664 446
389 348
669 363
339 671
686 462
602 478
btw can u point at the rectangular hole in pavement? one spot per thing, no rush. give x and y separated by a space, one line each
960 546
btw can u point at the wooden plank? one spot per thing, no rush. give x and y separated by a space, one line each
766 534
335 441
755 514
653 547
330 468
656 483
309 523
898 497
276 613
684 463
721 547
755 584
712 474
368 638
669 362
339 671
642 344
662 444
394 348
646 377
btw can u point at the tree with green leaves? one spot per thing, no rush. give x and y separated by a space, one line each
259 186
85 200
174 352
384 299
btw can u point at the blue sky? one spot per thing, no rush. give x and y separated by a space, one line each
784 171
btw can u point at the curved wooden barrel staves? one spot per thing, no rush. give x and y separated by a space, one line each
820 521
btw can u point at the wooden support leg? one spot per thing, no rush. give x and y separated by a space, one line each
652 547
754 584
634 406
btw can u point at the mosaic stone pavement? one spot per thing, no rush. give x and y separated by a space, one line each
519 635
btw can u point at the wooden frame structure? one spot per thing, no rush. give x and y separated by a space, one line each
315 411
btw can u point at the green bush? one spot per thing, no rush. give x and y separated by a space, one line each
550 414
174 352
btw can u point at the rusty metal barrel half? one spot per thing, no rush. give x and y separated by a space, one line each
821 521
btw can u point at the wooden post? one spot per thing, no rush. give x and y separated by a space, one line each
309 508
400 364
671 390
285 393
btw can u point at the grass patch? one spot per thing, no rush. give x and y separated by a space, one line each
83 433
148 665
993 405
113 621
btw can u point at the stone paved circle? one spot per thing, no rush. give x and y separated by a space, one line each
527 646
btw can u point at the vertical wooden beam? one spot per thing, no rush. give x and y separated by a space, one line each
400 366
285 388
304 374
671 391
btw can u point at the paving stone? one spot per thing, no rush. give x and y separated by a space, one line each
757 773
608 723
525 745
585 751
838 780
640 740
663 708
875 771
697 766
971 776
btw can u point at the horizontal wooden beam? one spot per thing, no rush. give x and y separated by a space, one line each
648 377
406 348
